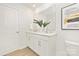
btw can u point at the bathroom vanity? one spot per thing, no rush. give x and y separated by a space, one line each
42 43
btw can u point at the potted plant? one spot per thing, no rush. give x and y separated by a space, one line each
42 24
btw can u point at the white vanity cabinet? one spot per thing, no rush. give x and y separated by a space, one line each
42 44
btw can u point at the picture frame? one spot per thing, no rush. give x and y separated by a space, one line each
70 17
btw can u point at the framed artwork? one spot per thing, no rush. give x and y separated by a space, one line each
70 17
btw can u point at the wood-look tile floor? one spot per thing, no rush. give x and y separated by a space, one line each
22 52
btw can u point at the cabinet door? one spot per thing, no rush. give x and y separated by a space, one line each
43 48
30 41
36 48
42 45
35 43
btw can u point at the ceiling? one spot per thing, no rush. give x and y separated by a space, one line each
34 5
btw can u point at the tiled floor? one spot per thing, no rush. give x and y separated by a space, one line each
22 52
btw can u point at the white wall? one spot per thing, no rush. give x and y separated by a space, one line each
63 35
13 18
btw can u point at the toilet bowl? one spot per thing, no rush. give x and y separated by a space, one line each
72 48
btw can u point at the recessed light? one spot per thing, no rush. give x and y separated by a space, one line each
34 5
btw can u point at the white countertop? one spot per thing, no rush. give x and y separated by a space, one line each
42 33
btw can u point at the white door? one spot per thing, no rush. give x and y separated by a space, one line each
8 28
11 24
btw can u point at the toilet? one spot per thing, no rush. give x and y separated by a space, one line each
72 48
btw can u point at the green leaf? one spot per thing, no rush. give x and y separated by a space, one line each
45 24
39 22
